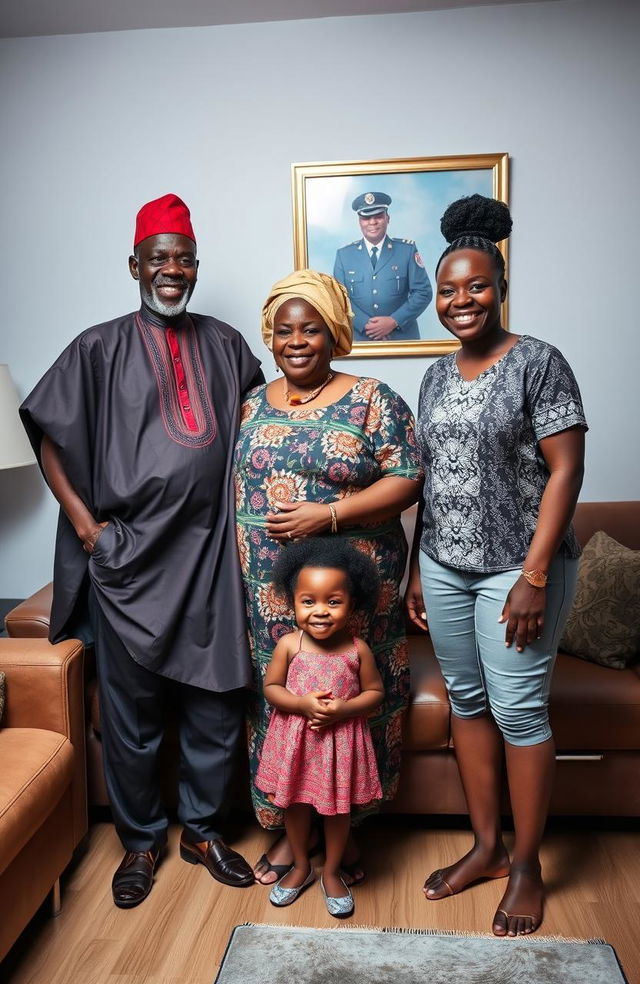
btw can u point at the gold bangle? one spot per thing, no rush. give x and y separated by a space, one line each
334 518
537 579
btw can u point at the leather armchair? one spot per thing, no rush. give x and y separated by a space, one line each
43 805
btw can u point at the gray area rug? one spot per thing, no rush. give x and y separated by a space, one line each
295 955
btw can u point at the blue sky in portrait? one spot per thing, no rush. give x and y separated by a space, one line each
418 201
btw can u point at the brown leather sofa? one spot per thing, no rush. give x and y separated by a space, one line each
43 804
595 713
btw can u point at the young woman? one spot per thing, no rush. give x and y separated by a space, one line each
501 434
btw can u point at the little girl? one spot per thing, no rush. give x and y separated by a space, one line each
322 683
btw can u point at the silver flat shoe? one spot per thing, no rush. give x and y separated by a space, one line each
338 907
285 896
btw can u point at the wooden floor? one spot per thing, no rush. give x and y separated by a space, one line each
178 935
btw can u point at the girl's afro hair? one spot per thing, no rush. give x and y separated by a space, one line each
328 551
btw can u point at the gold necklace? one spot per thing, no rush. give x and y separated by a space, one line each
296 399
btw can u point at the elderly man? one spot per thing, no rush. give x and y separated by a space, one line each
386 279
134 427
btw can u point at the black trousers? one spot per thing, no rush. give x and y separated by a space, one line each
133 712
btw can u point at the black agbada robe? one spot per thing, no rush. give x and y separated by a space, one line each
165 570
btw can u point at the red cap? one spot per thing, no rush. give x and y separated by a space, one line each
166 214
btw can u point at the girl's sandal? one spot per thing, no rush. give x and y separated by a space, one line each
339 907
281 896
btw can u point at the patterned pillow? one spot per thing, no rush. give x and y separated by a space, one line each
2 688
604 624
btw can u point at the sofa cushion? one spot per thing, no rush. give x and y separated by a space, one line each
426 725
37 767
604 623
594 708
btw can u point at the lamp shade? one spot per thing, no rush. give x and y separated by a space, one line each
15 449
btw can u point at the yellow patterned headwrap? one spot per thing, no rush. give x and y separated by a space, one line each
328 297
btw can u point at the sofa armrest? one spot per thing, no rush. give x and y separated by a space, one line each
30 619
45 690
44 682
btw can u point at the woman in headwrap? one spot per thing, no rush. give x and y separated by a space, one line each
322 452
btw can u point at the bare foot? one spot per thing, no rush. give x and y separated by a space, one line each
295 877
475 866
520 911
334 883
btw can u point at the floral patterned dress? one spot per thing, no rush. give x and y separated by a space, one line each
323 455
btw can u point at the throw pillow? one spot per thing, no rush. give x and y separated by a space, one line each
2 688
604 624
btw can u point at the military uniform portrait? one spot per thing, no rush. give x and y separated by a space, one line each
385 276
375 226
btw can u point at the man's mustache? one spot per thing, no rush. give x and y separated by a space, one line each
170 282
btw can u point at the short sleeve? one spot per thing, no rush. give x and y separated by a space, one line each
553 397
390 427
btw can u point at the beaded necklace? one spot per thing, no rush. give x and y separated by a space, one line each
296 400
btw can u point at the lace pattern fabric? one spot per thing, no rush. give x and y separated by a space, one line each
484 472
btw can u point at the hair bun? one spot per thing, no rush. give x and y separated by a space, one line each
476 215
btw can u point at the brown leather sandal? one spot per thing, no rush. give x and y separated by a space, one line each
450 891
535 922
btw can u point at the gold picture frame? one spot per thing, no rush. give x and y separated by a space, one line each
325 224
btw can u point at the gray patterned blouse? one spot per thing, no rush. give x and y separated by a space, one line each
484 472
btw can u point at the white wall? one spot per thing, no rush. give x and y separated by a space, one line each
92 126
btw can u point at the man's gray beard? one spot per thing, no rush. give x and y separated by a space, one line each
154 303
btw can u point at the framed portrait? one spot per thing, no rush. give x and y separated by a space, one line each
343 209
